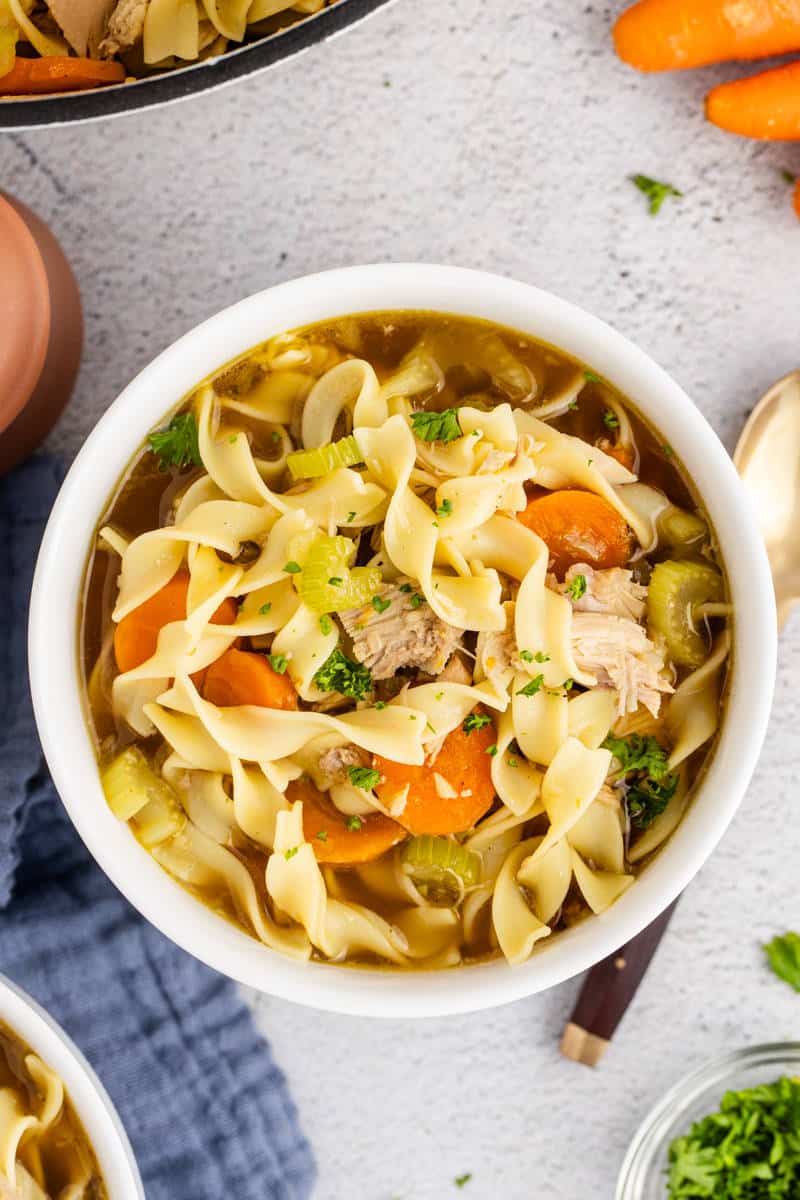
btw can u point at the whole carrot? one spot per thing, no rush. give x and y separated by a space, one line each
664 35
763 106
797 197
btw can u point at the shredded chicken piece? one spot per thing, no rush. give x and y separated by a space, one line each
336 762
619 654
455 671
612 591
407 633
124 29
495 652
495 460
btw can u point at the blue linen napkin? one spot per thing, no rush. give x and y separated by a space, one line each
207 1110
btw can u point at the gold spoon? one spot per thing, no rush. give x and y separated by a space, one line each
767 456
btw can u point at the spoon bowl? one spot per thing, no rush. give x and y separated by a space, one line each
767 457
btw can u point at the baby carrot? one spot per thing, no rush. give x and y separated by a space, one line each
763 106
136 636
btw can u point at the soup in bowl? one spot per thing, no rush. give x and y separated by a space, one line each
59 1134
407 631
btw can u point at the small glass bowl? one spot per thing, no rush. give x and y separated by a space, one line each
643 1175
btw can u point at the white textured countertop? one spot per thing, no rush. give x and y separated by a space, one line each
497 135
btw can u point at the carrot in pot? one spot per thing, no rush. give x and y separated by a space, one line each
37 76
664 35
448 794
763 106
244 677
136 636
340 839
578 527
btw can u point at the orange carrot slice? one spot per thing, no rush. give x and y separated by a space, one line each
763 106
337 838
579 527
662 35
37 76
797 197
243 677
136 636
462 766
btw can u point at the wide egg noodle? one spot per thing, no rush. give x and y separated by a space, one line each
515 924
350 387
23 1125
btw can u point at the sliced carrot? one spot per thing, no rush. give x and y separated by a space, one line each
243 677
579 527
337 838
36 76
463 766
797 197
663 35
763 106
623 454
136 636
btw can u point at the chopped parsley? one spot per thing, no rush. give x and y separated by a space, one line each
363 777
568 684
341 674
655 191
405 588
573 404
380 704
321 835
379 604
667 450
649 783
275 436
416 600
783 954
335 581
526 655
461 1180
540 656
492 750
748 1150
279 663
590 377
265 608
475 720
610 419
290 853
292 568
351 516
326 624
353 824
788 176
512 762
436 426
177 445
577 588
444 509
532 686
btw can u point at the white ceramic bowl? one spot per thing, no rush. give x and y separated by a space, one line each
89 1098
57 590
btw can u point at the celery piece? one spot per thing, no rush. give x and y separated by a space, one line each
440 867
310 464
677 589
133 789
678 527
327 584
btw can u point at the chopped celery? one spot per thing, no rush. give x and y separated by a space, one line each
309 464
327 584
440 867
677 527
134 790
677 589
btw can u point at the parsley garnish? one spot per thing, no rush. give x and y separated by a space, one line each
405 588
513 762
649 783
177 445
363 777
275 436
540 656
325 624
475 720
351 516
287 854
667 450
577 588
590 377
492 750
748 1150
526 655
292 568
341 674
380 605
279 663
610 419
416 600
265 608
788 176
573 404
321 835
380 704
568 684
444 509
461 1180
335 581
353 824
655 191
783 954
436 426
532 686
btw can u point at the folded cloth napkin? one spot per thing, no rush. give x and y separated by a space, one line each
207 1110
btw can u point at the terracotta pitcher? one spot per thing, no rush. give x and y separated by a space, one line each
41 331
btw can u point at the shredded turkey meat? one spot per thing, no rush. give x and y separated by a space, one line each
336 762
612 591
619 654
406 633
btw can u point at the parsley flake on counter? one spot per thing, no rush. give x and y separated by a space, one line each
461 1180
655 191
783 954
577 588
363 777
177 445
475 720
532 686
380 605
436 426
279 663
341 674
353 824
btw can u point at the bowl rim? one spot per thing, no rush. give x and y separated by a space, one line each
56 588
194 79
38 1029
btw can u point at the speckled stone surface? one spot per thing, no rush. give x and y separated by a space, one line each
499 136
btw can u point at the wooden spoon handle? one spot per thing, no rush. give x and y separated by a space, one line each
607 991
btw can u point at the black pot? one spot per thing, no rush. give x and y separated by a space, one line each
186 81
